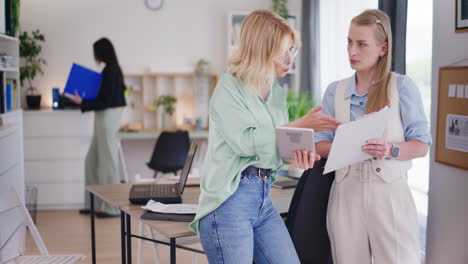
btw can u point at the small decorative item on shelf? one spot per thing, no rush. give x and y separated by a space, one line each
198 124
128 89
6 61
31 64
167 103
55 99
202 67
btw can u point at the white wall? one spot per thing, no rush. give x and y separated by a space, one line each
447 238
174 37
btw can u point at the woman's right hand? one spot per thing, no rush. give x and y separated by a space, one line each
319 121
304 159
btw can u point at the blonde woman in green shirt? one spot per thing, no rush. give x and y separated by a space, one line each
236 220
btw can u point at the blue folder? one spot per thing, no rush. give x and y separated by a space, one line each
9 97
83 81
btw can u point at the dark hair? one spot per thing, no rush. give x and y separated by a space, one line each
104 51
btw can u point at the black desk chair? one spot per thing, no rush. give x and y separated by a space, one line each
170 152
307 216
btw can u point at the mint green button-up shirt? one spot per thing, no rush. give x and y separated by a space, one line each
241 134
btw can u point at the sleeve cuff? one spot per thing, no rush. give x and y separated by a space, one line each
264 141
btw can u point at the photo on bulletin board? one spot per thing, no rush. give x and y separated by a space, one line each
452 117
461 16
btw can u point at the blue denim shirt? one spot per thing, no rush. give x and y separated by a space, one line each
413 119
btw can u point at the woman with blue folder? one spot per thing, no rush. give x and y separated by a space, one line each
103 164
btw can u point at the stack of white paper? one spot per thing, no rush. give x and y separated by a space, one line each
170 208
349 138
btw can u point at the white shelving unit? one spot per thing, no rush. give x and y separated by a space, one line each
11 146
234 22
11 133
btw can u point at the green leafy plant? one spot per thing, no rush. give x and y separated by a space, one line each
281 8
167 102
15 12
299 104
30 50
202 66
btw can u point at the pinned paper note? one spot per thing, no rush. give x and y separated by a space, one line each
460 91
452 90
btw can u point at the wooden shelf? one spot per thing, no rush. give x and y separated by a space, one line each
172 75
134 91
153 133
134 75
148 109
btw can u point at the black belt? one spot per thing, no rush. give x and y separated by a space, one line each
251 170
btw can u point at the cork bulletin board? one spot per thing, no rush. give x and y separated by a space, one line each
452 117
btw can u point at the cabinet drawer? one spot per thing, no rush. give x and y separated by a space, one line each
54 171
60 148
57 123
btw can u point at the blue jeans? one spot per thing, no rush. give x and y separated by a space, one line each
247 227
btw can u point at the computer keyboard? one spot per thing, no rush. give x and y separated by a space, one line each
164 190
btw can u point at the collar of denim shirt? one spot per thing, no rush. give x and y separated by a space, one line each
351 89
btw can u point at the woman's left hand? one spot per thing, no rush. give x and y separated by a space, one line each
377 148
304 159
76 98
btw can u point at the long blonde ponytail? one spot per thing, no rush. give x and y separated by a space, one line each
379 91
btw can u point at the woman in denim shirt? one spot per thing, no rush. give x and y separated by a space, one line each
371 213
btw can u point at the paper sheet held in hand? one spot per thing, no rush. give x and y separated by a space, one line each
349 138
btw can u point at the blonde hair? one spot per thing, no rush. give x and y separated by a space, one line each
379 91
261 37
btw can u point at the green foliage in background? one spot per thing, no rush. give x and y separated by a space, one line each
15 12
167 102
30 50
281 8
299 104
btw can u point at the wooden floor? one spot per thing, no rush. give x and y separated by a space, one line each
66 231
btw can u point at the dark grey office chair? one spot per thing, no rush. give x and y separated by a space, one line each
170 152
307 214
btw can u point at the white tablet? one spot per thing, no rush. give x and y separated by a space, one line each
292 139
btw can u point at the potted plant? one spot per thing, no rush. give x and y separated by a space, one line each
202 67
167 103
299 104
30 50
